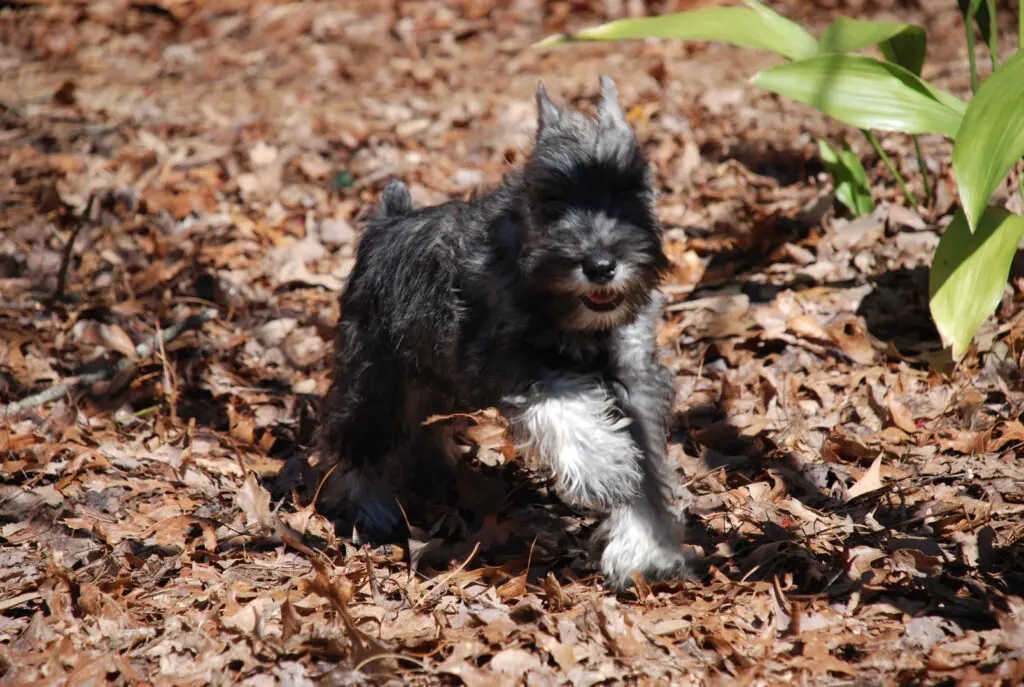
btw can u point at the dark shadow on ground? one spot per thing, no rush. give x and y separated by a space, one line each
935 580
787 166
506 522
505 517
896 310
760 549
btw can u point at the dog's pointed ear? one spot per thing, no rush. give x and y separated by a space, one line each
547 112
609 111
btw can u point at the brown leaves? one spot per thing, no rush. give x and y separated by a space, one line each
857 497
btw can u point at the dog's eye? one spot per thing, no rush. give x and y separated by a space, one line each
553 209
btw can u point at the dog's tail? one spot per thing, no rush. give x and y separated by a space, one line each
395 200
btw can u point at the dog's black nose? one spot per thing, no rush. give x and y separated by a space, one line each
599 268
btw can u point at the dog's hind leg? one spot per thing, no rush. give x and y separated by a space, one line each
364 440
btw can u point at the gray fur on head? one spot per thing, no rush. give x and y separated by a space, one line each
538 298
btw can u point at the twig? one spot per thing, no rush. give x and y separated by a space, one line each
451 575
170 379
380 657
143 350
65 260
90 215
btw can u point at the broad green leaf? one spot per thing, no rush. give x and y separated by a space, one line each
801 43
904 44
948 99
866 93
969 273
848 177
762 29
991 136
907 49
852 163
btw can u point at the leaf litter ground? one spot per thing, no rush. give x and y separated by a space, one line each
857 498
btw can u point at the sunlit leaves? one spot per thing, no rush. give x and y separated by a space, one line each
865 93
991 138
969 273
849 178
904 44
754 26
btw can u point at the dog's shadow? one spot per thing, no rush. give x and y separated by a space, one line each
507 521
503 519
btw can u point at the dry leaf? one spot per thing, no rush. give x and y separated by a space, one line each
254 501
870 481
901 416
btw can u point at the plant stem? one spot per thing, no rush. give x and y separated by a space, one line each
891 167
993 38
969 28
924 172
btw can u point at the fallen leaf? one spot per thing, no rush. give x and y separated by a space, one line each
254 501
870 481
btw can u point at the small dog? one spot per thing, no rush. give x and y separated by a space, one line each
537 298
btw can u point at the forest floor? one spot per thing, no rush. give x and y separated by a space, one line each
858 498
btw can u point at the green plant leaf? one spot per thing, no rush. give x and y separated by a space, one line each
866 93
969 273
991 137
848 177
904 44
948 99
755 26
801 43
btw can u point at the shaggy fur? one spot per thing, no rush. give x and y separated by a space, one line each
537 298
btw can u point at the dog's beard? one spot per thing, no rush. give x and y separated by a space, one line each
577 304
602 308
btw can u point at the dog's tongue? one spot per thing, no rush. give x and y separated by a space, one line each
602 298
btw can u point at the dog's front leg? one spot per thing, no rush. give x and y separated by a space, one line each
643 533
573 423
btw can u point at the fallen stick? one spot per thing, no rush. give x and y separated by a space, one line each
143 350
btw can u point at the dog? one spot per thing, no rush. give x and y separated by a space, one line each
538 298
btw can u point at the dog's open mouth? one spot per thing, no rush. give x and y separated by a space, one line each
603 300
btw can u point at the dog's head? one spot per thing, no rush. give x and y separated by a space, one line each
592 250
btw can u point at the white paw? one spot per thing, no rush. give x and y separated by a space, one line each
636 543
575 429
